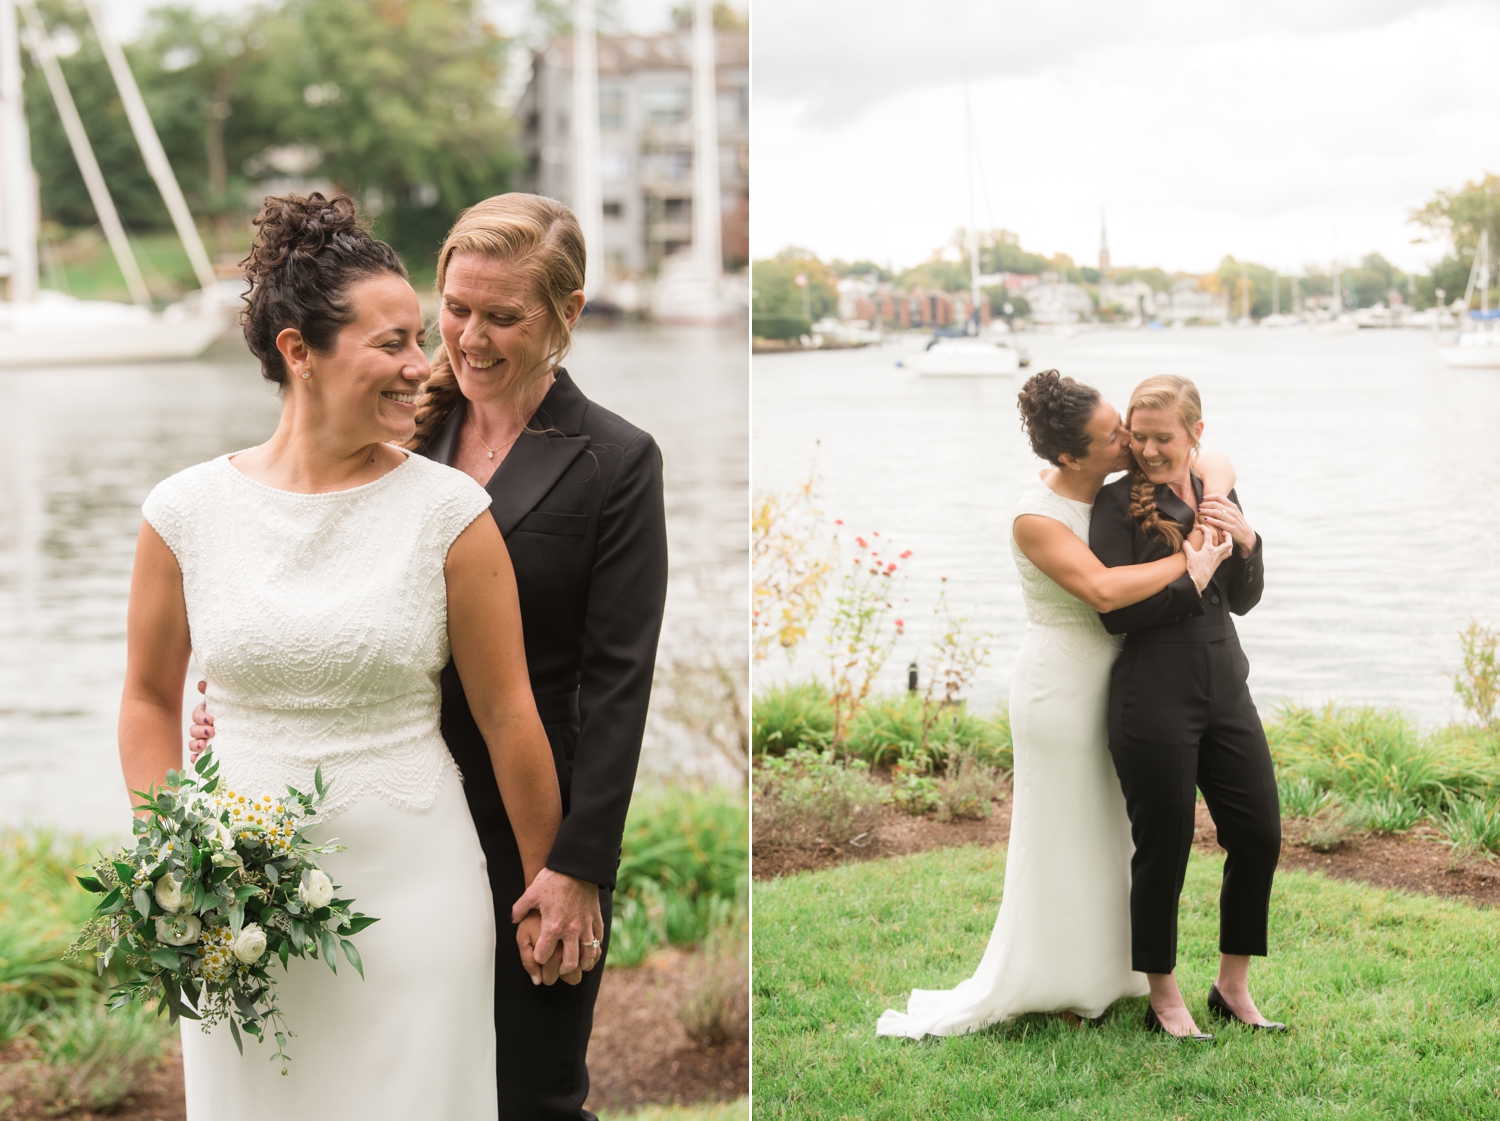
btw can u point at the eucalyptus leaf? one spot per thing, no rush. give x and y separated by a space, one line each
353 955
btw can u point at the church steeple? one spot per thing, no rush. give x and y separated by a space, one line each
1103 246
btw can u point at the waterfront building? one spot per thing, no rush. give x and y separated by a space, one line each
1058 302
1010 281
1135 298
1189 301
646 143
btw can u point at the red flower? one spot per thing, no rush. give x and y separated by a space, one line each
889 569
838 521
906 555
861 542
899 623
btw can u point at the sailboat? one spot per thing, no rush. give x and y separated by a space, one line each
972 354
1478 345
39 327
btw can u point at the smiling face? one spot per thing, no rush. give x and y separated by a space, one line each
498 331
1109 443
367 382
1162 445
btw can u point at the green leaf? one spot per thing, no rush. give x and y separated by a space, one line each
357 923
124 873
111 902
142 900
236 920
246 891
234 1030
318 781
88 883
353 955
330 949
167 959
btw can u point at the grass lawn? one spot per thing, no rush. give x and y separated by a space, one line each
1394 1003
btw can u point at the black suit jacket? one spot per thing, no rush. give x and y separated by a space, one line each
1177 613
578 500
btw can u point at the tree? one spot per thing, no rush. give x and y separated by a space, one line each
398 97
1457 218
775 291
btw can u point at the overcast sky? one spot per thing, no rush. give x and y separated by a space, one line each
1285 131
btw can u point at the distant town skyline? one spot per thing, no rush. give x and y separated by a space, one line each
1302 136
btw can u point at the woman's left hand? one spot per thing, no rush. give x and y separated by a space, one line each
1225 516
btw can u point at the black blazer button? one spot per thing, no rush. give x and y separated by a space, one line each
1213 599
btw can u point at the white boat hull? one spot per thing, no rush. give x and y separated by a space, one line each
967 359
59 331
1471 357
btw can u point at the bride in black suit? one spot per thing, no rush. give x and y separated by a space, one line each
577 494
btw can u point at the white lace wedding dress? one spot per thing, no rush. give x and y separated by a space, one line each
1062 938
320 622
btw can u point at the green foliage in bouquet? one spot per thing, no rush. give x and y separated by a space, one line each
217 886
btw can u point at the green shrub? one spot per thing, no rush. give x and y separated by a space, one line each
94 1057
969 788
681 872
716 1007
1301 797
806 796
889 731
1386 813
1471 827
793 716
913 791
1374 752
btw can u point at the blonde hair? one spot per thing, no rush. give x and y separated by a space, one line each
1166 392
539 238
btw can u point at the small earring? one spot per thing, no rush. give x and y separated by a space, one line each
305 376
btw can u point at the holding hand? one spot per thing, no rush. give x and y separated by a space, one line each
1225 516
203 726
528 933
571 924
1204 561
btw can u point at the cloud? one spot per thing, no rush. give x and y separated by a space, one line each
840 59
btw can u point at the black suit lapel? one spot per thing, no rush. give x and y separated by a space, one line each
528 472
537 460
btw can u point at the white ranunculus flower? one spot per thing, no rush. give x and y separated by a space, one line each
177 930
224 836
169 893
251 944
316 889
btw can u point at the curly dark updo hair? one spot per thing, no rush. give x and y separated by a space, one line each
1056 411
307 254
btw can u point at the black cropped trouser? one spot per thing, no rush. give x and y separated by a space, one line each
1180 717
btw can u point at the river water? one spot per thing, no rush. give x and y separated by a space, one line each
1371 470
84 447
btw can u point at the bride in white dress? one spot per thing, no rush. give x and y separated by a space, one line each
1061 942
321 579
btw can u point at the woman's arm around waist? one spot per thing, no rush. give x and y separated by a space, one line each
1058 552
158 646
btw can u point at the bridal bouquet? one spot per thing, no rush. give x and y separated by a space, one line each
217 886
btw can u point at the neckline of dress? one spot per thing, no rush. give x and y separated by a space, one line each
365 487
1043 484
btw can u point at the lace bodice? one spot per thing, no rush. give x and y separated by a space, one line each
321 623
1055 614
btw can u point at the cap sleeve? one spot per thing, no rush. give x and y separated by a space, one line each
460 501
166 510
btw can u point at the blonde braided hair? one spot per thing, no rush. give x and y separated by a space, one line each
1165 391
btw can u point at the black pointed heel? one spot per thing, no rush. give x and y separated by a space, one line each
1219 1009
1153 1023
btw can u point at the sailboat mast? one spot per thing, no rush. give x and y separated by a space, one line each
150 145
104 206
15 152
973 238
708 233
588 194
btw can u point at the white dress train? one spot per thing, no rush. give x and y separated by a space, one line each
1062 938
320 622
